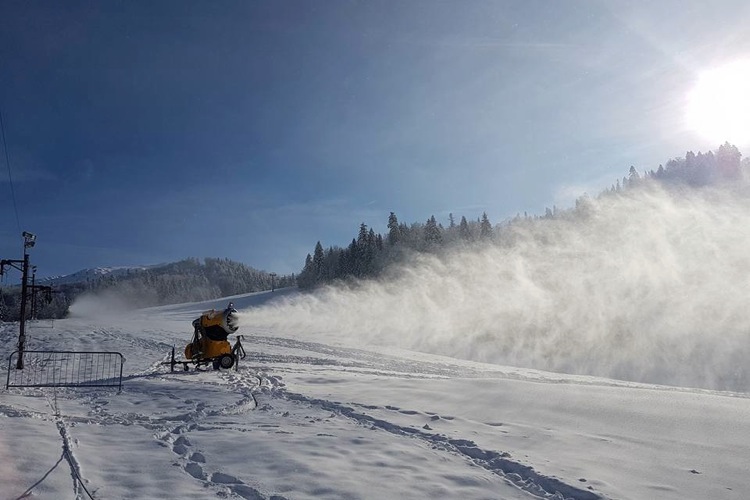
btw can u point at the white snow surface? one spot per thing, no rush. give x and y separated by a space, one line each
307 416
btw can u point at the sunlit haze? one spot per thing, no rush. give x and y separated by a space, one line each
649 286
719 105
142 132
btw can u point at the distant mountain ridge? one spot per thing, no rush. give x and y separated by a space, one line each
92 274
188 280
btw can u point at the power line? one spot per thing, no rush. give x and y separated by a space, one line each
10 176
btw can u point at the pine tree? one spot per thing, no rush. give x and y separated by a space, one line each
317 262
633 177
463 229
485 228
432 234
728 160
394 231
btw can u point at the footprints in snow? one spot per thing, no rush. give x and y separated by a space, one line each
193 461
523 476
195 464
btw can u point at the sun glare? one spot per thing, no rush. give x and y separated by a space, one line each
719 104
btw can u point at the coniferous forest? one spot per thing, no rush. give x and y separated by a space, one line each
369 254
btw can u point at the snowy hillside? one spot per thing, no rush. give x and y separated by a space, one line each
311 417
93 274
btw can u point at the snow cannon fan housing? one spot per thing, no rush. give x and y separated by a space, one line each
217 325
209 344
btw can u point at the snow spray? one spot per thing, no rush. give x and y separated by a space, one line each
647 285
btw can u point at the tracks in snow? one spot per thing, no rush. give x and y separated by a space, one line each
171 429
194 461
269 388
186 415
79 486
501 463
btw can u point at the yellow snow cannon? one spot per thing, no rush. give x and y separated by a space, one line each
209 344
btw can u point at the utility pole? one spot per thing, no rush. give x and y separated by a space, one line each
22 326
33 293
273 282
28 241
35 289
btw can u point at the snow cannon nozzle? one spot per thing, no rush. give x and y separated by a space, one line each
231 318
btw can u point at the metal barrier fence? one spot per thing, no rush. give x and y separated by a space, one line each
66 369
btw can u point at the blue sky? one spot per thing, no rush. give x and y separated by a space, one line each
144 132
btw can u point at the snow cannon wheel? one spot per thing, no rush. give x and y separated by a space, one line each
225 362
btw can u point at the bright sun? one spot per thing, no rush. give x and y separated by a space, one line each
719 105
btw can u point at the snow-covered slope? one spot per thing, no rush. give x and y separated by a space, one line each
310 417
91 274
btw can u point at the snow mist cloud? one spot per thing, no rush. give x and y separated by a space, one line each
100 305
649 285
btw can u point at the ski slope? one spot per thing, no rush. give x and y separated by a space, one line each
307 416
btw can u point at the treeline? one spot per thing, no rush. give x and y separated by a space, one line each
370 253
696 170
189 280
